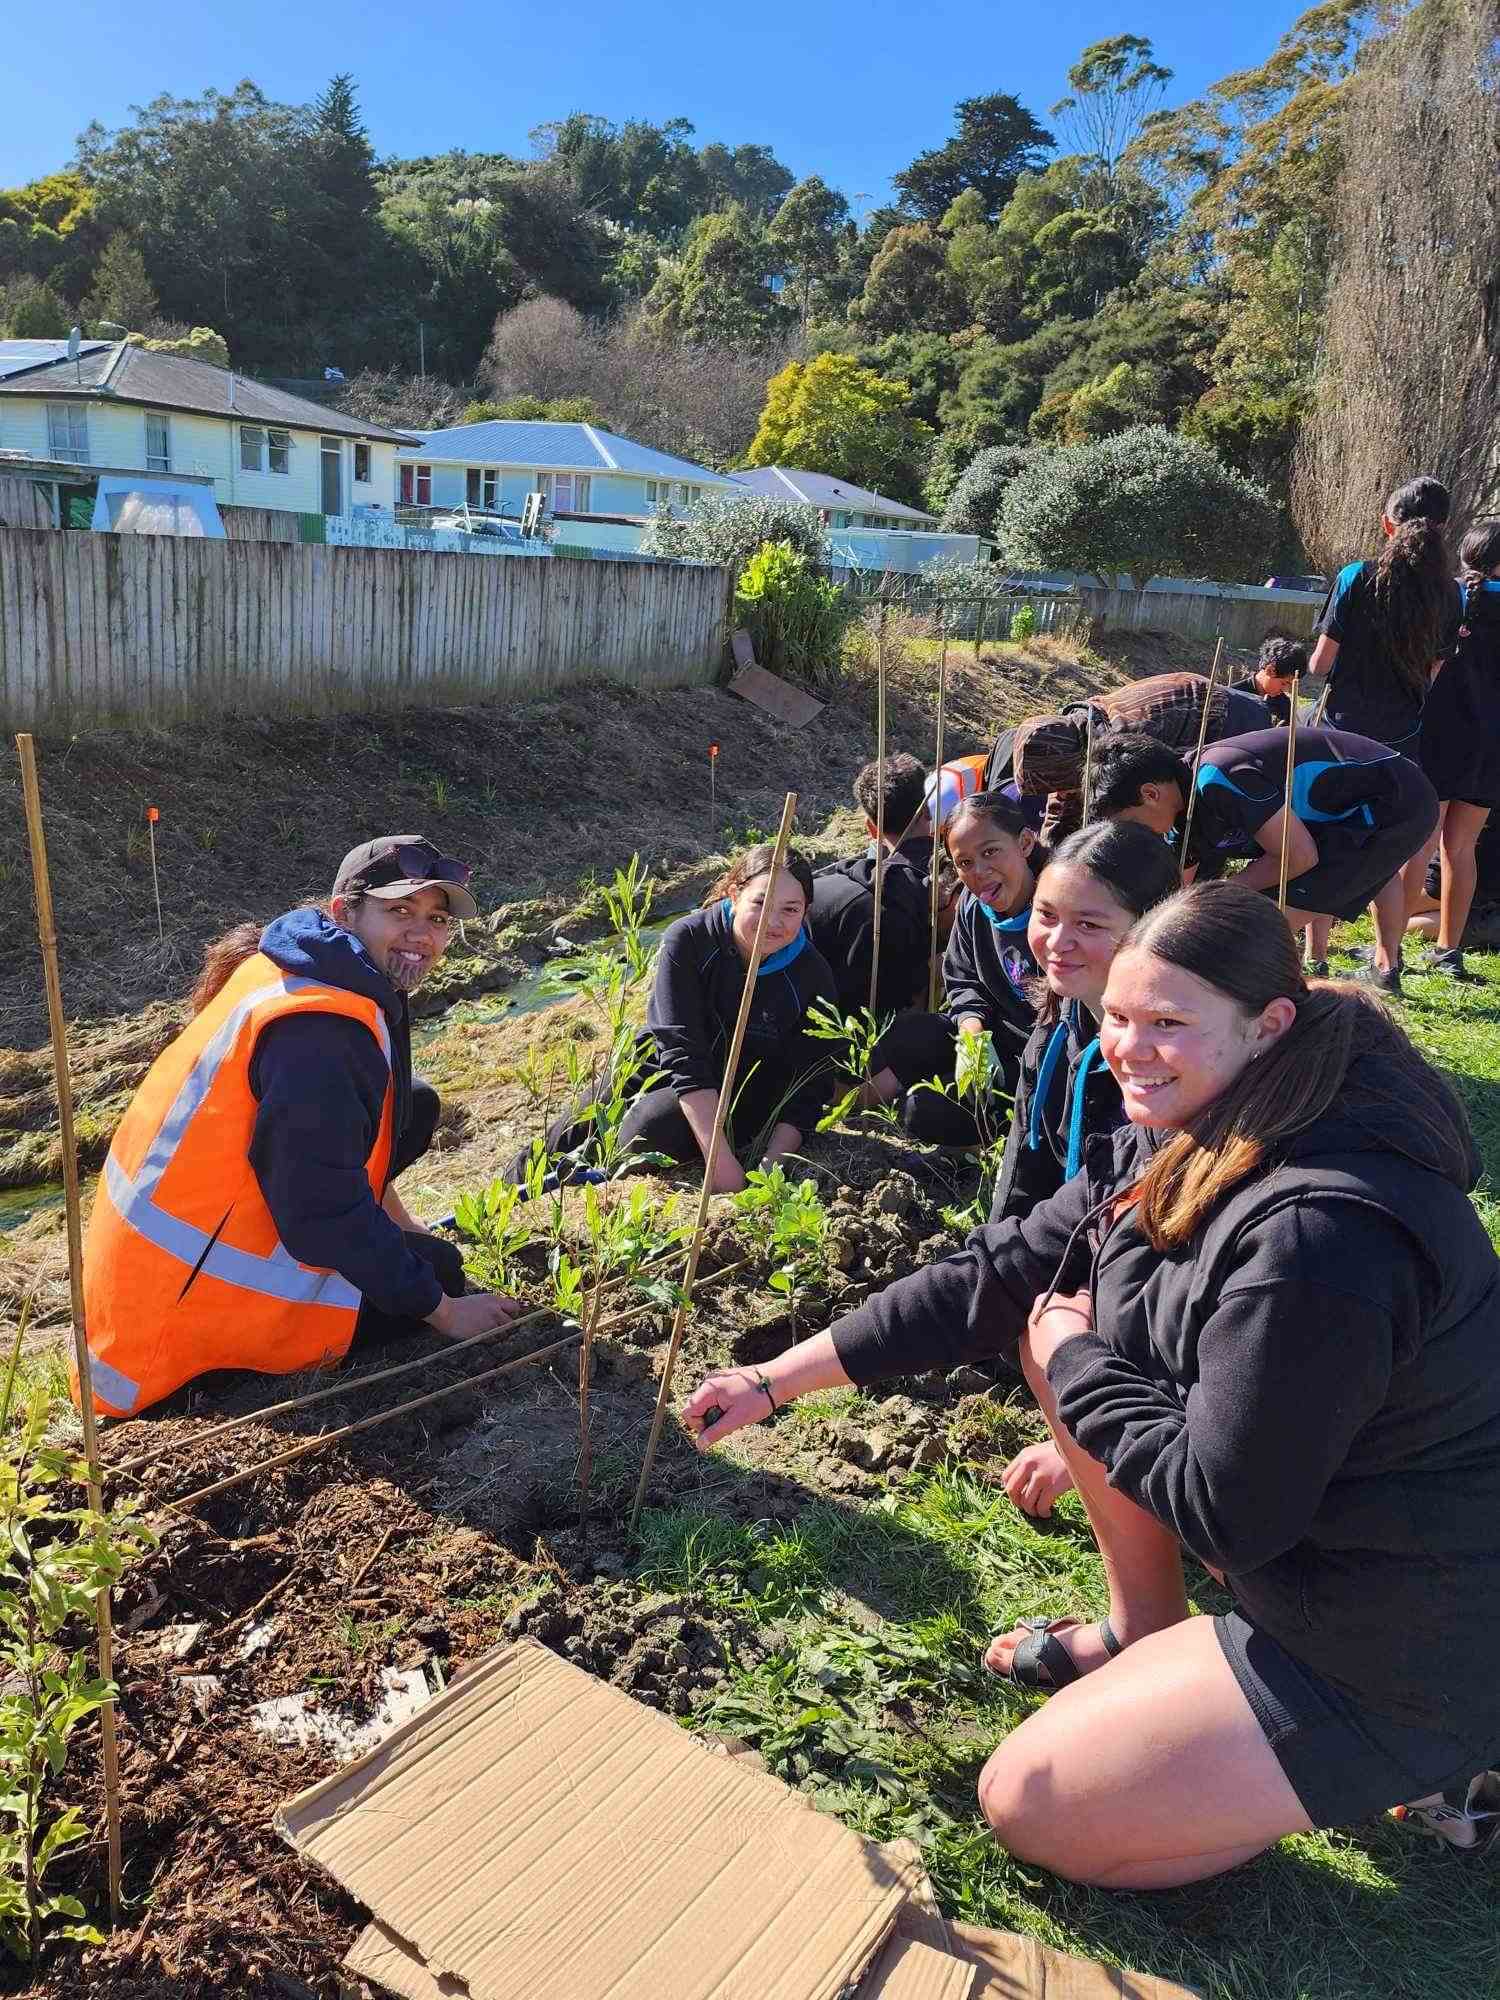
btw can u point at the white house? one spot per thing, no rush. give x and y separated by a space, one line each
598 488
866 531
128 409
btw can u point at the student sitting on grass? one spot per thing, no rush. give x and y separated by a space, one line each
987 974
1460 747
1359 812
783 1081
1087 897
842 917
1265 1328
246 1215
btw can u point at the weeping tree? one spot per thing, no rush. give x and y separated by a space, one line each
1408 378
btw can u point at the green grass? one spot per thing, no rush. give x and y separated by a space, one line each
873 1701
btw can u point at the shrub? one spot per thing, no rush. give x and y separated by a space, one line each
1022 624
975 499
730 528
1146 502
795 618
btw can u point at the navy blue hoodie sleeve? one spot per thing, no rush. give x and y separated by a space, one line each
679 1018
320 1080
964 990
1294 1358
967 1307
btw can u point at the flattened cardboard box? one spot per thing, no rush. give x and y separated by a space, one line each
536 1832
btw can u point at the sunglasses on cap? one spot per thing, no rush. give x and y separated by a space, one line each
421 863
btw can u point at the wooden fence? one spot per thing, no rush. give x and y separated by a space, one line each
147 628
23 503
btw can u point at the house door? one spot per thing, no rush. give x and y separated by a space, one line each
333 476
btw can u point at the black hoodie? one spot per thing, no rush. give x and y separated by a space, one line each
988 971
1030 1173
321 1080
1308 1395
842 922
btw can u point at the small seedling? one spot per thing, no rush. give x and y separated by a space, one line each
787 1222
853 1037
975 1083
498 1222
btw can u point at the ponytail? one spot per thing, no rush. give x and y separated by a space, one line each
221 961
1414 580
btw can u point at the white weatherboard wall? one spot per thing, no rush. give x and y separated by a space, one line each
147 628
117 437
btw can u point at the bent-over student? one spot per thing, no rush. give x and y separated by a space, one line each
1358 813
1264 1327
783 1081
247 1215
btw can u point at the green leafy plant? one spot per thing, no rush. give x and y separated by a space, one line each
567 1283
1022 625
58 1560
497 1221
786 1221
974 1084
796 619
853 1037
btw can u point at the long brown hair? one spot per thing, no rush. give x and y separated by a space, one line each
752 862
1238 942
1413 585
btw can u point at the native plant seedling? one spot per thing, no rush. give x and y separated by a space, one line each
58 1559
853 1037
567 1283
787 1222
974 1083
497 1221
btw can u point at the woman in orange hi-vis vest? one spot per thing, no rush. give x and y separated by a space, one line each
245 1216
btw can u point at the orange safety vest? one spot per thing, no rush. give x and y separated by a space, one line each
183 1270
958 779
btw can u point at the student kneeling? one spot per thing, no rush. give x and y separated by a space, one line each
245 1216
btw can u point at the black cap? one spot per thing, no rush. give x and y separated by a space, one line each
397 863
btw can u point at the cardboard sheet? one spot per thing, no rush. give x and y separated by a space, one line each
907 1970
535 1831
777 697
1018 1968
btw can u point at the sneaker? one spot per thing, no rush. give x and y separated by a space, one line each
1364 954
1450 962
1388 983
1466 1817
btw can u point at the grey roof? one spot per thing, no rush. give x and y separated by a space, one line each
173 382
16 354
818 489
564 447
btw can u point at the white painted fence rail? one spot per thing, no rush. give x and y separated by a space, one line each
145 628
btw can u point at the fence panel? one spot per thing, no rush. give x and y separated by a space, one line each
148 628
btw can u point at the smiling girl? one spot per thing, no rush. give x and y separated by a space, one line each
1266 1329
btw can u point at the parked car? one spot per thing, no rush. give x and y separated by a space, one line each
1308 583
468 520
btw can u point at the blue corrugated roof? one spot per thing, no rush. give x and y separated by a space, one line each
566 447
18 354
818 489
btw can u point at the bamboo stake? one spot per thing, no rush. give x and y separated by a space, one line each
347 1383
879 813
585 1433
46 925
1286 805
1192 796
1088 763
726 1093
934 959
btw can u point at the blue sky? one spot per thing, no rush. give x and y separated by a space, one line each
851 92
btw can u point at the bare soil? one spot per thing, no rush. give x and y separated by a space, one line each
423 1541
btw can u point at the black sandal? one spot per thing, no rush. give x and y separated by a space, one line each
1045 1650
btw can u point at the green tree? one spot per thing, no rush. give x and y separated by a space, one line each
910 287
533 409
747 177
1115 86
122 290
1144 503
717 289
30 310
975 500
997 140
805 236
200 344
50 229
830 415
1117 401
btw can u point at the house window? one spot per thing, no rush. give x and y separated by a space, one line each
564 492
416 485
68 432
362 465
252 448
482 487
158 441
281 450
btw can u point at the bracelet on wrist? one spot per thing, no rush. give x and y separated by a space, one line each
765 1388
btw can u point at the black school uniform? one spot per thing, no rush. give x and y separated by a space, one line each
1367 807
1366 694
1461 723
1066 1098
842 922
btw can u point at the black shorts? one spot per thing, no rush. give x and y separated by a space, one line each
1355 862
1344 1763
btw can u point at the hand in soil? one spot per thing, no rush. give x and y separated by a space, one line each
731 1399
475 1312
1035 1477
729 1175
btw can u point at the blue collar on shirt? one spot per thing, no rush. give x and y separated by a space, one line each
1052 1056
1017 923
776 959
